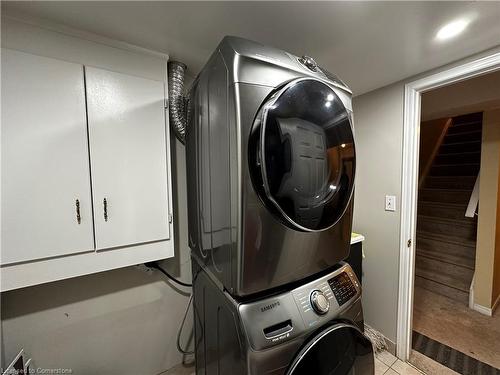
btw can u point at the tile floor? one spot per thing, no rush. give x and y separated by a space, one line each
457 326
385 363
388 364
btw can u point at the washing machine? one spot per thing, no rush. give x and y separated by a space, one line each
315 327
270 168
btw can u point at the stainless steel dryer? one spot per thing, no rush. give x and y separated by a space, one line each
270 166
311 328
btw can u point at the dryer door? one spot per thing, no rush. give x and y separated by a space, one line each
341 349
302 160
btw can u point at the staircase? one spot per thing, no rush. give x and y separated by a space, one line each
446 239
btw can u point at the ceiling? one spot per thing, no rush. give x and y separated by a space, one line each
472 95
368 44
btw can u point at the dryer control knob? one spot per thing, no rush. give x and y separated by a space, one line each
319 302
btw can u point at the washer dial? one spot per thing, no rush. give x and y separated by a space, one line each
319 302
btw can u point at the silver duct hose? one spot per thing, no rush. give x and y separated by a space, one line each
177 102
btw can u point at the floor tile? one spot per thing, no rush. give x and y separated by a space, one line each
404 368
386 358
380 367
391 372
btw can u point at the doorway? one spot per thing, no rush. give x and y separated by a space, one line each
408 246
447 325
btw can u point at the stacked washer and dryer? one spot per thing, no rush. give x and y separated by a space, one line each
270 166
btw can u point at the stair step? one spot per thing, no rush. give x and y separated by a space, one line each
447 258
468 118
454 169
443 210
474 135
445 195
458 158
465 127
460 147
454 276
458 228
446 244
450 182
455 294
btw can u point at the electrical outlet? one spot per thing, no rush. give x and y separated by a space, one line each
390 203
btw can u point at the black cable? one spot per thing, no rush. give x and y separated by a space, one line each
156 266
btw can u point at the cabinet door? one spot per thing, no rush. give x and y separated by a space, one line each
45 160
128 153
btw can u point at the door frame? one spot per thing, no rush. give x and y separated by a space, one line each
409 184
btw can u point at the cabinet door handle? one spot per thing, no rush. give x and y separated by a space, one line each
78 217
105 204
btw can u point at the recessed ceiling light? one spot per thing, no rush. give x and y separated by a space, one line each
452 29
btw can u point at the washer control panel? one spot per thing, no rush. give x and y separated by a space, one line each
343 288
282 317
327 297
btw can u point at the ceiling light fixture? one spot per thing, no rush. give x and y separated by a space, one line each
452 29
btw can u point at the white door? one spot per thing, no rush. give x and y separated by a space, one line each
128 154
45 161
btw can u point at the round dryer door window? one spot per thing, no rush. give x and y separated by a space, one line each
302 157
341 349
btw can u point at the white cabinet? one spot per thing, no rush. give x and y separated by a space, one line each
74 137
45 164
128 154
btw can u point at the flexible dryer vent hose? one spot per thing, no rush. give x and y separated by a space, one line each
177 102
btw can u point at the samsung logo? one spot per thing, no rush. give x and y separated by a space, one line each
270 306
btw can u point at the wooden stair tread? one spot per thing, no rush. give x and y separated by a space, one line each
460 284
449 292
449 178
447 258
444 204
464 133
457 165
440 189
460 143
466 221
446 238
475 122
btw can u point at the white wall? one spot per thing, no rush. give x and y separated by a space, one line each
378 121
119 322
378 162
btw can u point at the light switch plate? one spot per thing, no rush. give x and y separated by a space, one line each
390 203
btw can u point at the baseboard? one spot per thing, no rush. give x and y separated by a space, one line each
483 309
391 346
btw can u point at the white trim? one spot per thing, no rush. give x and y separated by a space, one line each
486 310
474 199
482 309
471 292
409 187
